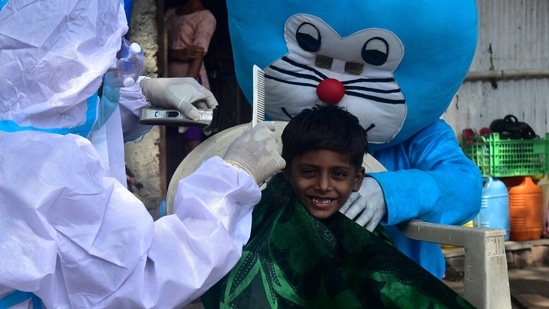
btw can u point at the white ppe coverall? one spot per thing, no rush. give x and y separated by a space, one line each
70 231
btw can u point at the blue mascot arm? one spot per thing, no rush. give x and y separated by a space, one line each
429 178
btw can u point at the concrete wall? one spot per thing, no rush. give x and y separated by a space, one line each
142 156
510 72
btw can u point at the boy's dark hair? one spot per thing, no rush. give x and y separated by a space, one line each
326 127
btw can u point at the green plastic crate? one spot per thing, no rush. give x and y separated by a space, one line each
508 157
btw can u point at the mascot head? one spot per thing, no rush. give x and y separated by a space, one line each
395 64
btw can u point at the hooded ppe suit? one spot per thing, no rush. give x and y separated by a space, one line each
71 233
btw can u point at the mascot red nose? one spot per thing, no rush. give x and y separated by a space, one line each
330 91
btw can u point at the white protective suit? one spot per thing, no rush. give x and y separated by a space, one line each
70 231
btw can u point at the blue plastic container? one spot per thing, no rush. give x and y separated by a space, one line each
494 211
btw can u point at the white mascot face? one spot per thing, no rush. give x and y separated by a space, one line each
355 72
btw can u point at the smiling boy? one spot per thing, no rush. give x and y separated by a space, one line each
323 149
304 253
323 180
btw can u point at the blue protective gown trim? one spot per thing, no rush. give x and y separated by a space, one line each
17 297
82 130
128 9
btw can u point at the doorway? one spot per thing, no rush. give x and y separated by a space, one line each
234 109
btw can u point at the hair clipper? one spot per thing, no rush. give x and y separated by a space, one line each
208 119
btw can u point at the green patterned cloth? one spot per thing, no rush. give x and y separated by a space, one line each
296 261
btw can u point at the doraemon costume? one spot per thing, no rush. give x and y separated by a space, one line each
396 65
72 235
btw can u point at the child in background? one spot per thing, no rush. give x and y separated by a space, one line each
303 253
191 27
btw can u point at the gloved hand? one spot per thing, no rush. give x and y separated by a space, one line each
367 206
256 151
182 93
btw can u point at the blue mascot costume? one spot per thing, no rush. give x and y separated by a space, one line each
396 65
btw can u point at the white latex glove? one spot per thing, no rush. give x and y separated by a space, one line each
256 151
367 206
182 93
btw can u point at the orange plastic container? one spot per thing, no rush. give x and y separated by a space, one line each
525 208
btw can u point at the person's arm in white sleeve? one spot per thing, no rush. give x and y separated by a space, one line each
197 245
78 239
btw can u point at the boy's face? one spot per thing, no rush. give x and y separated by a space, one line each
323 180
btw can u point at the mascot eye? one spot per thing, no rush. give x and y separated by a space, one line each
308 37
354 68
375 51
324 62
